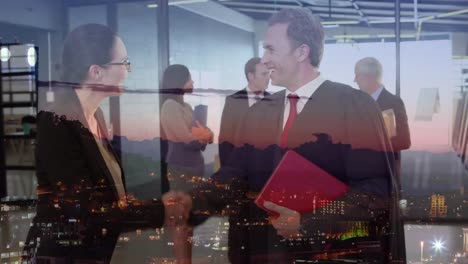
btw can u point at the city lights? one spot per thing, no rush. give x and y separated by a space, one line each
438 245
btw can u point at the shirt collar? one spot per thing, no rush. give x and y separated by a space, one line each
251 94
377 93
306 91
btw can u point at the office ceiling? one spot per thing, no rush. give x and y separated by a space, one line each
429 15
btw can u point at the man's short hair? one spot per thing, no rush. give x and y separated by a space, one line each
250 66
369 65
303 28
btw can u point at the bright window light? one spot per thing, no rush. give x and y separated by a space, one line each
32 59
5 54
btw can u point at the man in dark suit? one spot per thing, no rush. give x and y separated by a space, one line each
336 127
237 105
368 75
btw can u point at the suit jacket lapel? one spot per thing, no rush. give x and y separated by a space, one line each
69 106
244 97
382 101
102 126
242 94
267 125
241 101
275 114
305 120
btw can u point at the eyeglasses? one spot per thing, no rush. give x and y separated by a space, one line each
126 63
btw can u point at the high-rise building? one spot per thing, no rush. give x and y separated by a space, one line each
438 206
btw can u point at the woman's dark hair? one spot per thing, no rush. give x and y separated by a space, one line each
174 79
86 45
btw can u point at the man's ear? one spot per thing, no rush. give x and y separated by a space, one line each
250 76
302 52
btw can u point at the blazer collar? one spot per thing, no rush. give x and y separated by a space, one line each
68 105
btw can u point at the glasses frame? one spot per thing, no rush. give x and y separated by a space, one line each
125 63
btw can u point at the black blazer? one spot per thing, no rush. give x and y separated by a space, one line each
337 129
340 129
386 101
235 108
76 192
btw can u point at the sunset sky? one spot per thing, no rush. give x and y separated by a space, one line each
424 64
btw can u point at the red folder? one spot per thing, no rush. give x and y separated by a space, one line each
300 185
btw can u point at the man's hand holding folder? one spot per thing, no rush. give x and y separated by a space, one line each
288 223
297 186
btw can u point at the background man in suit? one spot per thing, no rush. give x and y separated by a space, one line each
336 127
368 75
237 105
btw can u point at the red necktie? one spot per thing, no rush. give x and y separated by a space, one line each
292 115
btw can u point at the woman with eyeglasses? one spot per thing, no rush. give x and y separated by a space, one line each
83 203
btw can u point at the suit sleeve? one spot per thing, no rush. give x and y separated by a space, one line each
374 191
368 164
402 140
369 169
368 161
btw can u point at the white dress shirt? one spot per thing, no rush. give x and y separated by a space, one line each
377 93
304 93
